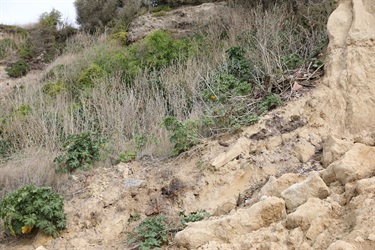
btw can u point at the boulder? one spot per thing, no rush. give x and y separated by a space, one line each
365 186
304 150
299 193
357 163
274 187
241 222
240 147
333 149
341 245
307 213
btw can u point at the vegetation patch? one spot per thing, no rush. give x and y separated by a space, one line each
151 233
19 69
33 207
184 134
82 150
194 216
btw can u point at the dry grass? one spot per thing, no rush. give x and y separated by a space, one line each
31 166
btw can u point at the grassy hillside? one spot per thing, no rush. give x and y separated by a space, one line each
158 96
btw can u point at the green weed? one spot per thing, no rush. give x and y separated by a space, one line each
33 207
19 69
82 150
151 233
126 156
184 134
194 216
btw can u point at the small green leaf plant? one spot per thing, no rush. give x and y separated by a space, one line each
194 216
126 156
82 150
19 69
151 233
269 102
184 134
33 207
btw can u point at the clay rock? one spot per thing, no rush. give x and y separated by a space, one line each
41 248
303 150
180 22
299 193
356 164
240 147
341 245
333 149
307 213
365 186
274 187
227 227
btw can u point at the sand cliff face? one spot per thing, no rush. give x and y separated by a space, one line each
350 71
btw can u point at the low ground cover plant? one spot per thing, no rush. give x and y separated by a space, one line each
18 69
81 151
194 216
32 207
151 233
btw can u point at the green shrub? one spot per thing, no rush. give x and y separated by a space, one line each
159 49
126 156
53 88
184 134
238 65
291 61
88 75
18 69
194 216
269 102
224 87
25 50
151 233
23 110
160 7
82 150
159 14
5 149
33 207
119 36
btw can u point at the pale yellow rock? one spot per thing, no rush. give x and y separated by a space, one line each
299 193
241 146
228 227
303 150
274 187
371 237
41 239
357 163
41 248
365 186
303 217
333 149
341 245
